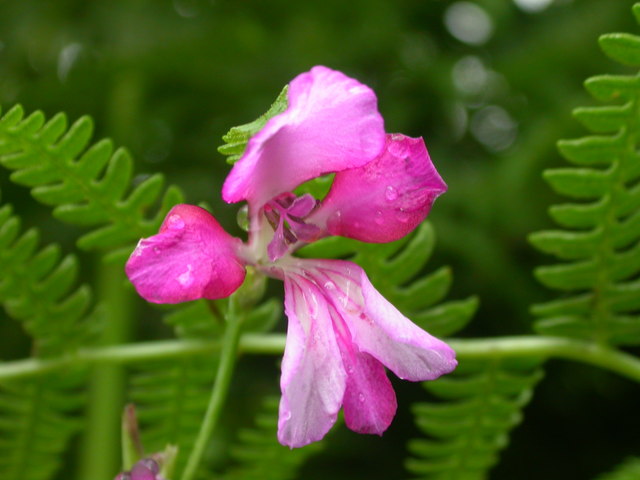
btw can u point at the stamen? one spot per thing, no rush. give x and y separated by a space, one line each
286 214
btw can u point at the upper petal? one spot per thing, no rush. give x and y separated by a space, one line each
191 257
385 199
313 377
331 124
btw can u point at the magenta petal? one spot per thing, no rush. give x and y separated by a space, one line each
140 471
369 401
385 199
331 124
313 377
191 257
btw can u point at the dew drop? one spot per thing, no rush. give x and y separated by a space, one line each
391 193
175 222
156 250
403 217
330 285
361 398
186 279
379 218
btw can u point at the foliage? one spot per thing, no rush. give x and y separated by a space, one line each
601 244
258 454
480 404
146 76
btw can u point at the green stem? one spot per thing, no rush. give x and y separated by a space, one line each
273 344
228 357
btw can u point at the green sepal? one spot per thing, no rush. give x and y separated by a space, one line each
236 138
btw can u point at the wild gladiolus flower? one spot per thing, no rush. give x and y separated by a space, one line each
342 333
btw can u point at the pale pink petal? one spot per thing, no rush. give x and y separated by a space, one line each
376 326
385 199
313 377
191 257
331 124
403 347
369 401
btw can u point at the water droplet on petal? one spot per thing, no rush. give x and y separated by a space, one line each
379 219
403 217
330 285
361 398
391 193
175 222
186 279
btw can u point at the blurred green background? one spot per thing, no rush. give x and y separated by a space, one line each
489 84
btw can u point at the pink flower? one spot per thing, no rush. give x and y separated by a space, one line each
342 332
146 469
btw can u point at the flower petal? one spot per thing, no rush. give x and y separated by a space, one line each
331 124
403 347
385 199
191 257
313 377
376 326
369 401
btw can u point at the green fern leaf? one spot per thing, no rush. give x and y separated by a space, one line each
627 470
395 269
171 399
37 421
257 454
36 288
86 185
482 402
601 246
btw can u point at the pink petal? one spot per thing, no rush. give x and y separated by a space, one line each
385 199
331 124
377 327
191 257
313 377
369 400
403 347
140 471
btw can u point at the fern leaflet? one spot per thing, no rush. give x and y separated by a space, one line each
482 403
601 241
171 398
258 453
87 185
37 416
627 470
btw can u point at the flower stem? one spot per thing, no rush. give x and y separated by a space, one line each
591 353
228 357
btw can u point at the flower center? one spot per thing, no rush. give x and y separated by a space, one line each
286 214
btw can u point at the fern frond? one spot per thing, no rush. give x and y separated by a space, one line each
395 269
171 398
258 453
600 240
483 401
88 185
36 287
627 470
37 422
